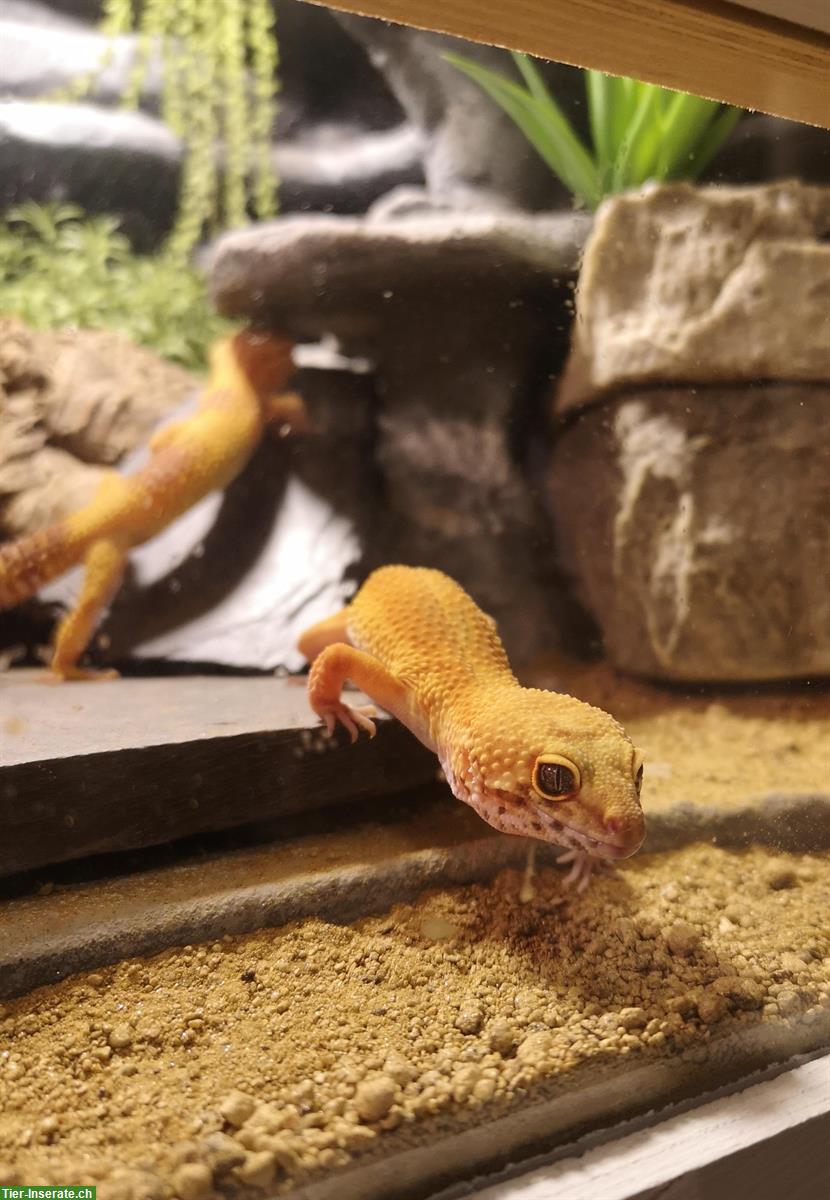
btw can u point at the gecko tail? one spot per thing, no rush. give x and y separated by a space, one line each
34 560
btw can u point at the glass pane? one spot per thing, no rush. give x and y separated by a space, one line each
415 630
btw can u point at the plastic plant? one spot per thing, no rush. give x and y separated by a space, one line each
639 131
60 268
219 82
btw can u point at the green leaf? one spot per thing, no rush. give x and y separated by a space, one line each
621 108
59 268
633 160
639 131
712 140
545 127
533 79
686 122
599 92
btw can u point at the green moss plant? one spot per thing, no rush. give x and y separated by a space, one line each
219 82
639 131
60 268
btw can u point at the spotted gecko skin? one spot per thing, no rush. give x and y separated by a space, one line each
418 645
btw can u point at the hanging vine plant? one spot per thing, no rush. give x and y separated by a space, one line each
60 267
219 83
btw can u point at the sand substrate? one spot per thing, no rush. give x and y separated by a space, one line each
714 750
307 1054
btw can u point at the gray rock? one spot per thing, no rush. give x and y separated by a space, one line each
473 153
34 13
695 523
703 285
313 275
763 148
105 160
333 169
38 60
110 160
452 309
340 138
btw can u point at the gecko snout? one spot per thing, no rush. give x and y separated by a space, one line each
625 835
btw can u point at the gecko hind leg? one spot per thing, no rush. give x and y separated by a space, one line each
330 670
104 564
325 633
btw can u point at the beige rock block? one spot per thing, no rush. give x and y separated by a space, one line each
702 285
694 523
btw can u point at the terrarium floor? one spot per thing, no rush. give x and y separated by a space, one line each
400 1034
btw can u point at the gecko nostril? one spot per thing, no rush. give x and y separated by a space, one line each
613 824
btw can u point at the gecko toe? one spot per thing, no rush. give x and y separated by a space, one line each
363 716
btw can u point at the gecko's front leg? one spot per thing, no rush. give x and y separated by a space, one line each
330 670
583 868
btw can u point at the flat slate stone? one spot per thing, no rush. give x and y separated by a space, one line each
115 765
314 274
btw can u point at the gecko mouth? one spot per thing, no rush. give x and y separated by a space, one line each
574 839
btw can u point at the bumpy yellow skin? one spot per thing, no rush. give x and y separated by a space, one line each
416 643
188 460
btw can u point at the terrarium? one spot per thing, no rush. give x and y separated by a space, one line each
414 621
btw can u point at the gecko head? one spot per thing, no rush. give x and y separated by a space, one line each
552 767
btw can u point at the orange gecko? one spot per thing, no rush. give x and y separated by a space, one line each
188 459
530 762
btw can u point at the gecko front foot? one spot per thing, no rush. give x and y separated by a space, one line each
583 868
350 716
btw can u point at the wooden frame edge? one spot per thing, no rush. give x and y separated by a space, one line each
709 47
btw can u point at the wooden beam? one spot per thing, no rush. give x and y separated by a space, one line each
714 49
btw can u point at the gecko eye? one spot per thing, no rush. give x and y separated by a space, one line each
555 778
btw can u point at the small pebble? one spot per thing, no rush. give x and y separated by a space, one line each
742 992
258 1169
222 1152
780 877
632 1018
399 1068
120 1037
469 1020
683 939
535 1047
789 1002
193 1180
236 1108
374 1097
502 1037
711 1008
